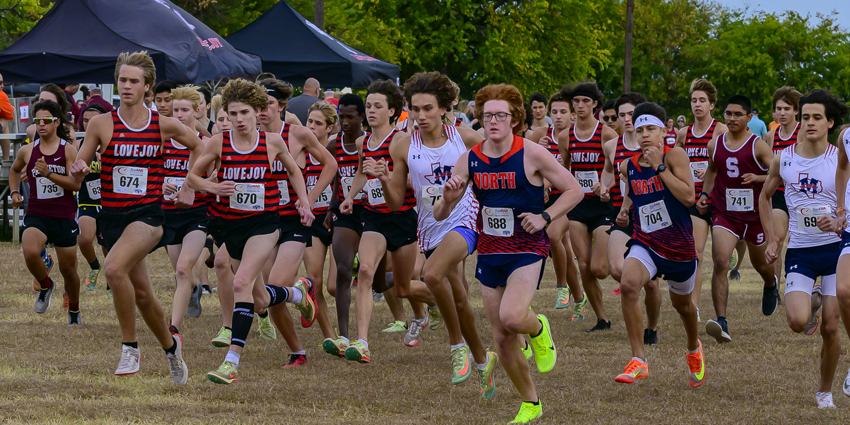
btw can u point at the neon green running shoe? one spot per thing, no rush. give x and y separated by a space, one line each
109 294
355 267
578 308
734 260
265 328
486 376
545 354
563 300
528 412
526 349
336 347
91 279
223 338
397 326
358 352
462 363
436 319
225 374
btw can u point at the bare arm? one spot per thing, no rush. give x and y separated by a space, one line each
20 164
359 178
67 182
279 150
564 148
561 179
773 181
209 157
681 136
395 182
842 174
678 177
329 167
470 137
764 156
609 149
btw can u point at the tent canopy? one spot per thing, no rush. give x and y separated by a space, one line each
79 40
294 49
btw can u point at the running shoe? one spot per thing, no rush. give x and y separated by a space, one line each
194 309
578 308
696 367
307 306
528 412
847 384
812 326
312 292
563 294
734 274
109 294
545 355
66 304
355 267
698 318
336 347
733 261
462 364
223 338
824 400
487 378
75 318
716 331
42 300
91 279
225 374
650 337
770 300
358 351
601 325
397 326
179 371
48 263
526 349
265 328
172 329
414 332
207 290
296 360
635 370
615 292
377 296
435 319
129 363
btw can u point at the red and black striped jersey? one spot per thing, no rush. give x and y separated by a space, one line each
132 165
311 178
553 149
374 190
779 144
697 149
256 191
587 159
621 154
458 121
347 163
288 197
176 157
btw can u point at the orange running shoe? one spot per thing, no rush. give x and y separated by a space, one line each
635 370
65 302
696 364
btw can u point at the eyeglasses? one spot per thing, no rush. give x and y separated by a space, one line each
736 115
500 116
609 118
45 120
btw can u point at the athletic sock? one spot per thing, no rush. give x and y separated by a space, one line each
433 308
243 317
94 265
45 283
639 359
364 342
228 328
694 351
133 344
295 296
173 349
539 332
74 306
232 357
278 295
456 346
536 403
482 366
299 353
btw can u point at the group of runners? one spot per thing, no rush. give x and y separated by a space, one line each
408 201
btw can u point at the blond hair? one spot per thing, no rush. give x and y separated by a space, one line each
215 105
189 93
705 86
327 110
140 60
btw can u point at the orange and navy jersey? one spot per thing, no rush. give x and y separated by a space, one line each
311 178
347 163
375 190
553 149
697 149
288 197
256 191
176 157
503 192
132 166
779 144
622 153
586 156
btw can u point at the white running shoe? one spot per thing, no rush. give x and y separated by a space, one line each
129 363
847 384
179 371
824 400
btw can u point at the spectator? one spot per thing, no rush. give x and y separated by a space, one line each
7 113
330 98
86 94
773 124
70 91
299 105
95 98
756 125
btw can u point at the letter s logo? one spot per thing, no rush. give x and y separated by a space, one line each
732 167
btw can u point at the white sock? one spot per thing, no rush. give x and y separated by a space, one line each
364 342
295 296
639 359
486 360
300 353
421 319
694 351
232 357
455 347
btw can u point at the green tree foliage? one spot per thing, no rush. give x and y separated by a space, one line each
18 16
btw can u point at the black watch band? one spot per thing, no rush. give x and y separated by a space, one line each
546 217
661 168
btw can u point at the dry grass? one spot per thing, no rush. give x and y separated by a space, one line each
55 374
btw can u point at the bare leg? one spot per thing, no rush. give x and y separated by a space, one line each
224 285
700 238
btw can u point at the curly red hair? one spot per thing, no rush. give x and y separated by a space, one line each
505 92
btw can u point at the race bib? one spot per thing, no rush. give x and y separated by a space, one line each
130 180
283 185
586 179
740 200
93 188
375 192
324 199
654 217
46 189
248 197
807 218
698 166
178 181
346 183
498 221
430 195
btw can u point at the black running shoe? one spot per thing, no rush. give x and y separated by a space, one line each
650 337
601 325
770 300
734 274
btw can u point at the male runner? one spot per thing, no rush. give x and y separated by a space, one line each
538 106
737 167
581 148
609 117
162 97
836 111
507 173
88 199
130 140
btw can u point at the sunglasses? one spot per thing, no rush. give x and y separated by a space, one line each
45 120
609 118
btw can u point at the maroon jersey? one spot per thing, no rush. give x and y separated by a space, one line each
288 197
46 198
622 153
697 149
311 178
779 144
587 159
553 149
256 191
347 163
132 166
670 138
374 190
731 197
176 167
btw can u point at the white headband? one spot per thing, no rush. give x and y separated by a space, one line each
647 119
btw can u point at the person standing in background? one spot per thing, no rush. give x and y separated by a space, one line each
299 105
756 125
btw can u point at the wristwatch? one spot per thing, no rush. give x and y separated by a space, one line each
546 217
661 168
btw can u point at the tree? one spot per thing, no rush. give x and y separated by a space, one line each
18 16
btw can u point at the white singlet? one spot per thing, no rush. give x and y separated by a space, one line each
429 169
809 193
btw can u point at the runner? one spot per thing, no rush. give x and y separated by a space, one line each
581 148
808 169
538 106
703 97
670 137
609 116
88 198
659 187
203 115
130 140
222 124
426 157
507 175
737 167
50 215
246 222
617 151
560 248
162 97
842 174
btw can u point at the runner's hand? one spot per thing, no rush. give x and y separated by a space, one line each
17 199
41 167
770 252
654 156
701 173
185 198
307 216
225 188
623 218
329 221
749 178
453 189
79 169
702 205
346 207
532 223
169 189
544 141
840 223
827 224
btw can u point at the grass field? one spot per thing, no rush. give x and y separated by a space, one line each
51 373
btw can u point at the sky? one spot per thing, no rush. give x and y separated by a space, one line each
800 6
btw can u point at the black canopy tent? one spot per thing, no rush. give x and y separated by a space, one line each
294 49
79 40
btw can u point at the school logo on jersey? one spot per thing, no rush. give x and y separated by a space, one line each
439 174
809 186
